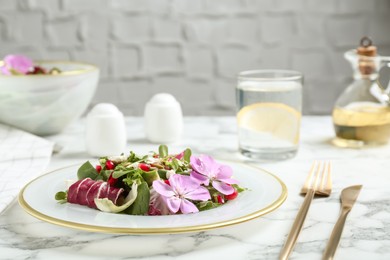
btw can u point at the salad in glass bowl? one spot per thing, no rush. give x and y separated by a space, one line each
44 97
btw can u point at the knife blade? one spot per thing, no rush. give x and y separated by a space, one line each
348 198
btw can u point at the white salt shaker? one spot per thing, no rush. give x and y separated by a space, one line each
105 131
163 119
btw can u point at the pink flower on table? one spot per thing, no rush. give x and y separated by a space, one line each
205 170
180 191
18 63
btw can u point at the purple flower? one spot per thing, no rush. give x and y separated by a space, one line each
17 63
205 169
181 188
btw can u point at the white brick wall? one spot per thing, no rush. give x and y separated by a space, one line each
194 49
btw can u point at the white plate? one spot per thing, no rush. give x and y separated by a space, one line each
265 193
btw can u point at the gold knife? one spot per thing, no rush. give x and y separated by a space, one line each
348 198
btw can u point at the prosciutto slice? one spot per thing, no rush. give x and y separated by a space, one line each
84 192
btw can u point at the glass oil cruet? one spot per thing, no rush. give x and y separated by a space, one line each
361 115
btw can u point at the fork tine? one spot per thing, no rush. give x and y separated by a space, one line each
323 175
316 181
309 178
330 174
322 183
325 187
328 188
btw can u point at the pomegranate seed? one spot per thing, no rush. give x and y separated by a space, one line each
167 182
110 165
98 168
111 180
145 167
37 70
232 196
220 199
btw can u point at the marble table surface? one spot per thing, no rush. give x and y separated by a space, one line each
366 235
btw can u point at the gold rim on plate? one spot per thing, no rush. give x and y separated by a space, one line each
171 230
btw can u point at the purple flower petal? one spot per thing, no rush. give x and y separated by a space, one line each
229 181
224 172
163 188
212 167
223 187
201 193
200 178
187 207
197 164
19 63
5 71
181 183
207 160
173 203
181 187
205 166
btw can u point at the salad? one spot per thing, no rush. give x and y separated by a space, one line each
153 184
15 64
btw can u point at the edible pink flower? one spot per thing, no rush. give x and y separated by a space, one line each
180 190
205 170
18 63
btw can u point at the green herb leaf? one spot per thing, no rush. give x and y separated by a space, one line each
54 71
15 72
106 174
87 171
150 176
162 173
238 188
141 204
134 158
133 176
175 164
163 151
100 177
206 205
61 197
120 173
187 155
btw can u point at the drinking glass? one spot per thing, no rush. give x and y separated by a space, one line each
269 104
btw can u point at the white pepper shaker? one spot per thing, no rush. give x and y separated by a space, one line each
105 131
163 119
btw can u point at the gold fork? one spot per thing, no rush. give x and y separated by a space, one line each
321 186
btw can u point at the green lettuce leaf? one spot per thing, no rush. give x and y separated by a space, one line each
141 204
87 171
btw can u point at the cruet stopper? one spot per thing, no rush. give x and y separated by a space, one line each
366 49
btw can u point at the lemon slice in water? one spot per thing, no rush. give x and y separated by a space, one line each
277 120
